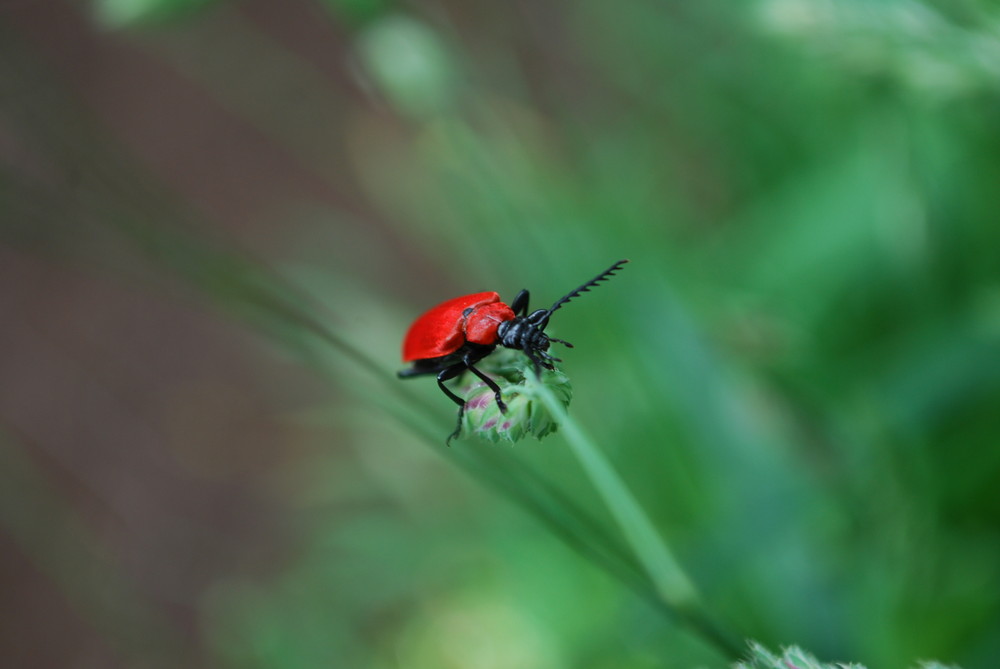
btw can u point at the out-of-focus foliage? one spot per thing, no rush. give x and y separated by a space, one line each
798 375
761 658
409 63
125 13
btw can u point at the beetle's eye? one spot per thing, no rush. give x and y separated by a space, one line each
468 311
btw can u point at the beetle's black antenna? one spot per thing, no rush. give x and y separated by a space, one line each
603 276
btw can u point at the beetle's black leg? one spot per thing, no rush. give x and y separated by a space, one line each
445 375
547 357
534 361
561 341
449 373
458 427
520 304
492 386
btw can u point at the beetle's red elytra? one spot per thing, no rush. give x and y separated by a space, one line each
452 337
443 329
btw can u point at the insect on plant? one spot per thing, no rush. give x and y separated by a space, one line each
452 337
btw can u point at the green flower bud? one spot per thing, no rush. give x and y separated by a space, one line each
526 415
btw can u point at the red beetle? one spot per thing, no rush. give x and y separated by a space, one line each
455 335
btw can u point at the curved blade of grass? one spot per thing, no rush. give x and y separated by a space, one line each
671 582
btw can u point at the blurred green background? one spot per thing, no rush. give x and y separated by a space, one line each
217 220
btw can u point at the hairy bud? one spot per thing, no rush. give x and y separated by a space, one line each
526 415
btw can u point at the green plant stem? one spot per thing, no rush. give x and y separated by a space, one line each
671 582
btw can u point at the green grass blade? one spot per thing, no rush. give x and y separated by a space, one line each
671 582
